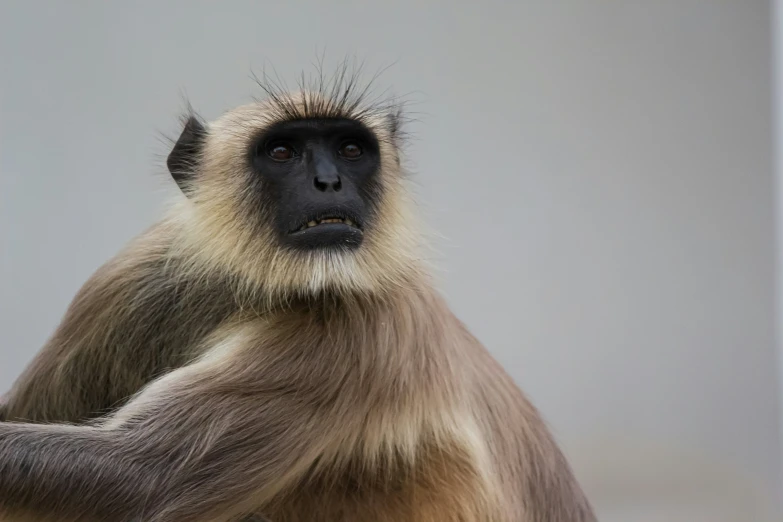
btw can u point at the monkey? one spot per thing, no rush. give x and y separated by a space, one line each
275 348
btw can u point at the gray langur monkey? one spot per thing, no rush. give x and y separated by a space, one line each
274 348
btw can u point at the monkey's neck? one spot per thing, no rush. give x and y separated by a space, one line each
395 329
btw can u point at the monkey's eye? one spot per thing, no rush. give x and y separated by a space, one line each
279 151
350 150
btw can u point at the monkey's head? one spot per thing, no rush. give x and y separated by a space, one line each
299 193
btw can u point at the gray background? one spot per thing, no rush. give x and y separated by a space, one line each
601 174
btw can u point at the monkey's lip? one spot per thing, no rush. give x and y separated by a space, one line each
331 222
326 232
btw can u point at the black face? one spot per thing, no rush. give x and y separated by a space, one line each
320 178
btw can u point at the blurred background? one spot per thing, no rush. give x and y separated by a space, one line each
601 174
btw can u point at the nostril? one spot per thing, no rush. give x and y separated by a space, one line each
332 184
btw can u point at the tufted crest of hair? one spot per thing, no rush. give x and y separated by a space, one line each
222 225
341 95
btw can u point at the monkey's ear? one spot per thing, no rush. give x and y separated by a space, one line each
184 157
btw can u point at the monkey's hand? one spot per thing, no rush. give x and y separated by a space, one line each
209 441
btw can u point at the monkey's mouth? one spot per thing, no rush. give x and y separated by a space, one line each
327 230
328 220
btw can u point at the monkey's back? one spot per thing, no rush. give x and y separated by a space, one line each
133 320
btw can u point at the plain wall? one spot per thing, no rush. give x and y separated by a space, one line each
601 174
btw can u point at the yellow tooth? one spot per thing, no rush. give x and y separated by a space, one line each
311 223
348 222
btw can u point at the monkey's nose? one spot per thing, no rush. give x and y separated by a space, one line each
327 182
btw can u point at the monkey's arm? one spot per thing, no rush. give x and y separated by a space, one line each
205 442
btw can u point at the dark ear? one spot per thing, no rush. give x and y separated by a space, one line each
184 157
